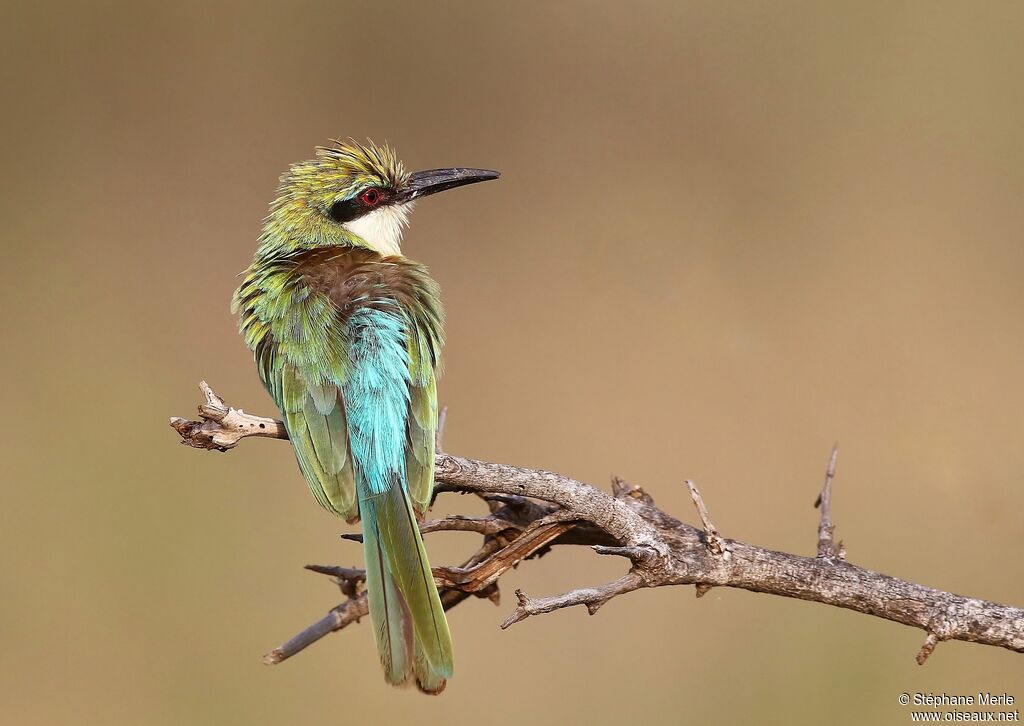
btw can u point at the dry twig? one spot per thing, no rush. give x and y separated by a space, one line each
532 511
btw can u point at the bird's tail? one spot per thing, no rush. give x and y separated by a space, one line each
408 619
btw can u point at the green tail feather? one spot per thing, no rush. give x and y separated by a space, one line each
408 619
387 609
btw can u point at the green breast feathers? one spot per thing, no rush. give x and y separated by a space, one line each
295 309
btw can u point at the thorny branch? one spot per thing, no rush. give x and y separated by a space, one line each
532 511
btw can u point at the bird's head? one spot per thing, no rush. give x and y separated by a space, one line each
355 195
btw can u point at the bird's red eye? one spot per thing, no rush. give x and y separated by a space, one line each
371 197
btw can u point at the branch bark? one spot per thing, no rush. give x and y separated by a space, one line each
534 510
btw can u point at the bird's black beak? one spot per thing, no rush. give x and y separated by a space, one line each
432 181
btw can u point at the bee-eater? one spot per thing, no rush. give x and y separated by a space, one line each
347 333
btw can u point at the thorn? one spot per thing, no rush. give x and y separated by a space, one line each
928 648
830 472
712 540
703 589
520 612
352 537
827 549
347 573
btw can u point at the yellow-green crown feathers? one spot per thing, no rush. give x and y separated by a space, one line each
370 161
340 171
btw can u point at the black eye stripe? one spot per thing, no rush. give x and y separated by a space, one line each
348 209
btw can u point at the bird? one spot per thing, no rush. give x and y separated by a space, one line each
346 333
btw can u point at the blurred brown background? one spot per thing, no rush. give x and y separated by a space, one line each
726 235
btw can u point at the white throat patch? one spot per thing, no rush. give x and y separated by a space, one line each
382 228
